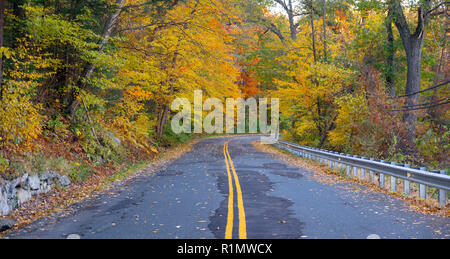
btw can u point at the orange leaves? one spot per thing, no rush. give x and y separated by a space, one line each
138 94
187 48
248 84
341 20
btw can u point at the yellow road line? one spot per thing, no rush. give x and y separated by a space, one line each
242 222
229 227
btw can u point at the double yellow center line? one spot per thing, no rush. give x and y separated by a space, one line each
240 202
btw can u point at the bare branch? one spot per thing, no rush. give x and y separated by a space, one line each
283 4
430 12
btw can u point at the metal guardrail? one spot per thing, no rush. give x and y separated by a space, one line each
377 169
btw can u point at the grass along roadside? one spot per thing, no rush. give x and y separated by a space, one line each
324 174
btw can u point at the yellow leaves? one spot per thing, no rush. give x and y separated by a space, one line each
169 56
19 121
352 110
309 88
136 131
19 116
186 49
154 150
142 125
305 127
5 52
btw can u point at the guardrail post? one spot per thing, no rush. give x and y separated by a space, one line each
348 168
382 177
363 172
340 165
335 165
423 187
406 183
355 170
442 193
371 174
393 181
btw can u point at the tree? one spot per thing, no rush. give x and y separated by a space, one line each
291 13
390 55
412 44
188 48
324 31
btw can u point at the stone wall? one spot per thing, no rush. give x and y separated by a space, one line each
20 190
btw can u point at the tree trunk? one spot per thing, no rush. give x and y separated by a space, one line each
110 23
324 27
412 44
162 118
412 86
89 68
313 31
389 74
292 26
291 17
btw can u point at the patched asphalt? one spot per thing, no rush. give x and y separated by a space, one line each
188 198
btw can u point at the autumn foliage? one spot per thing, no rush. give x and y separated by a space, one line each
93 73
98 77
341 81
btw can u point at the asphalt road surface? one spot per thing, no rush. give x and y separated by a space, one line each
225 188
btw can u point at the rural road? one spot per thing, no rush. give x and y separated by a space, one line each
190 198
